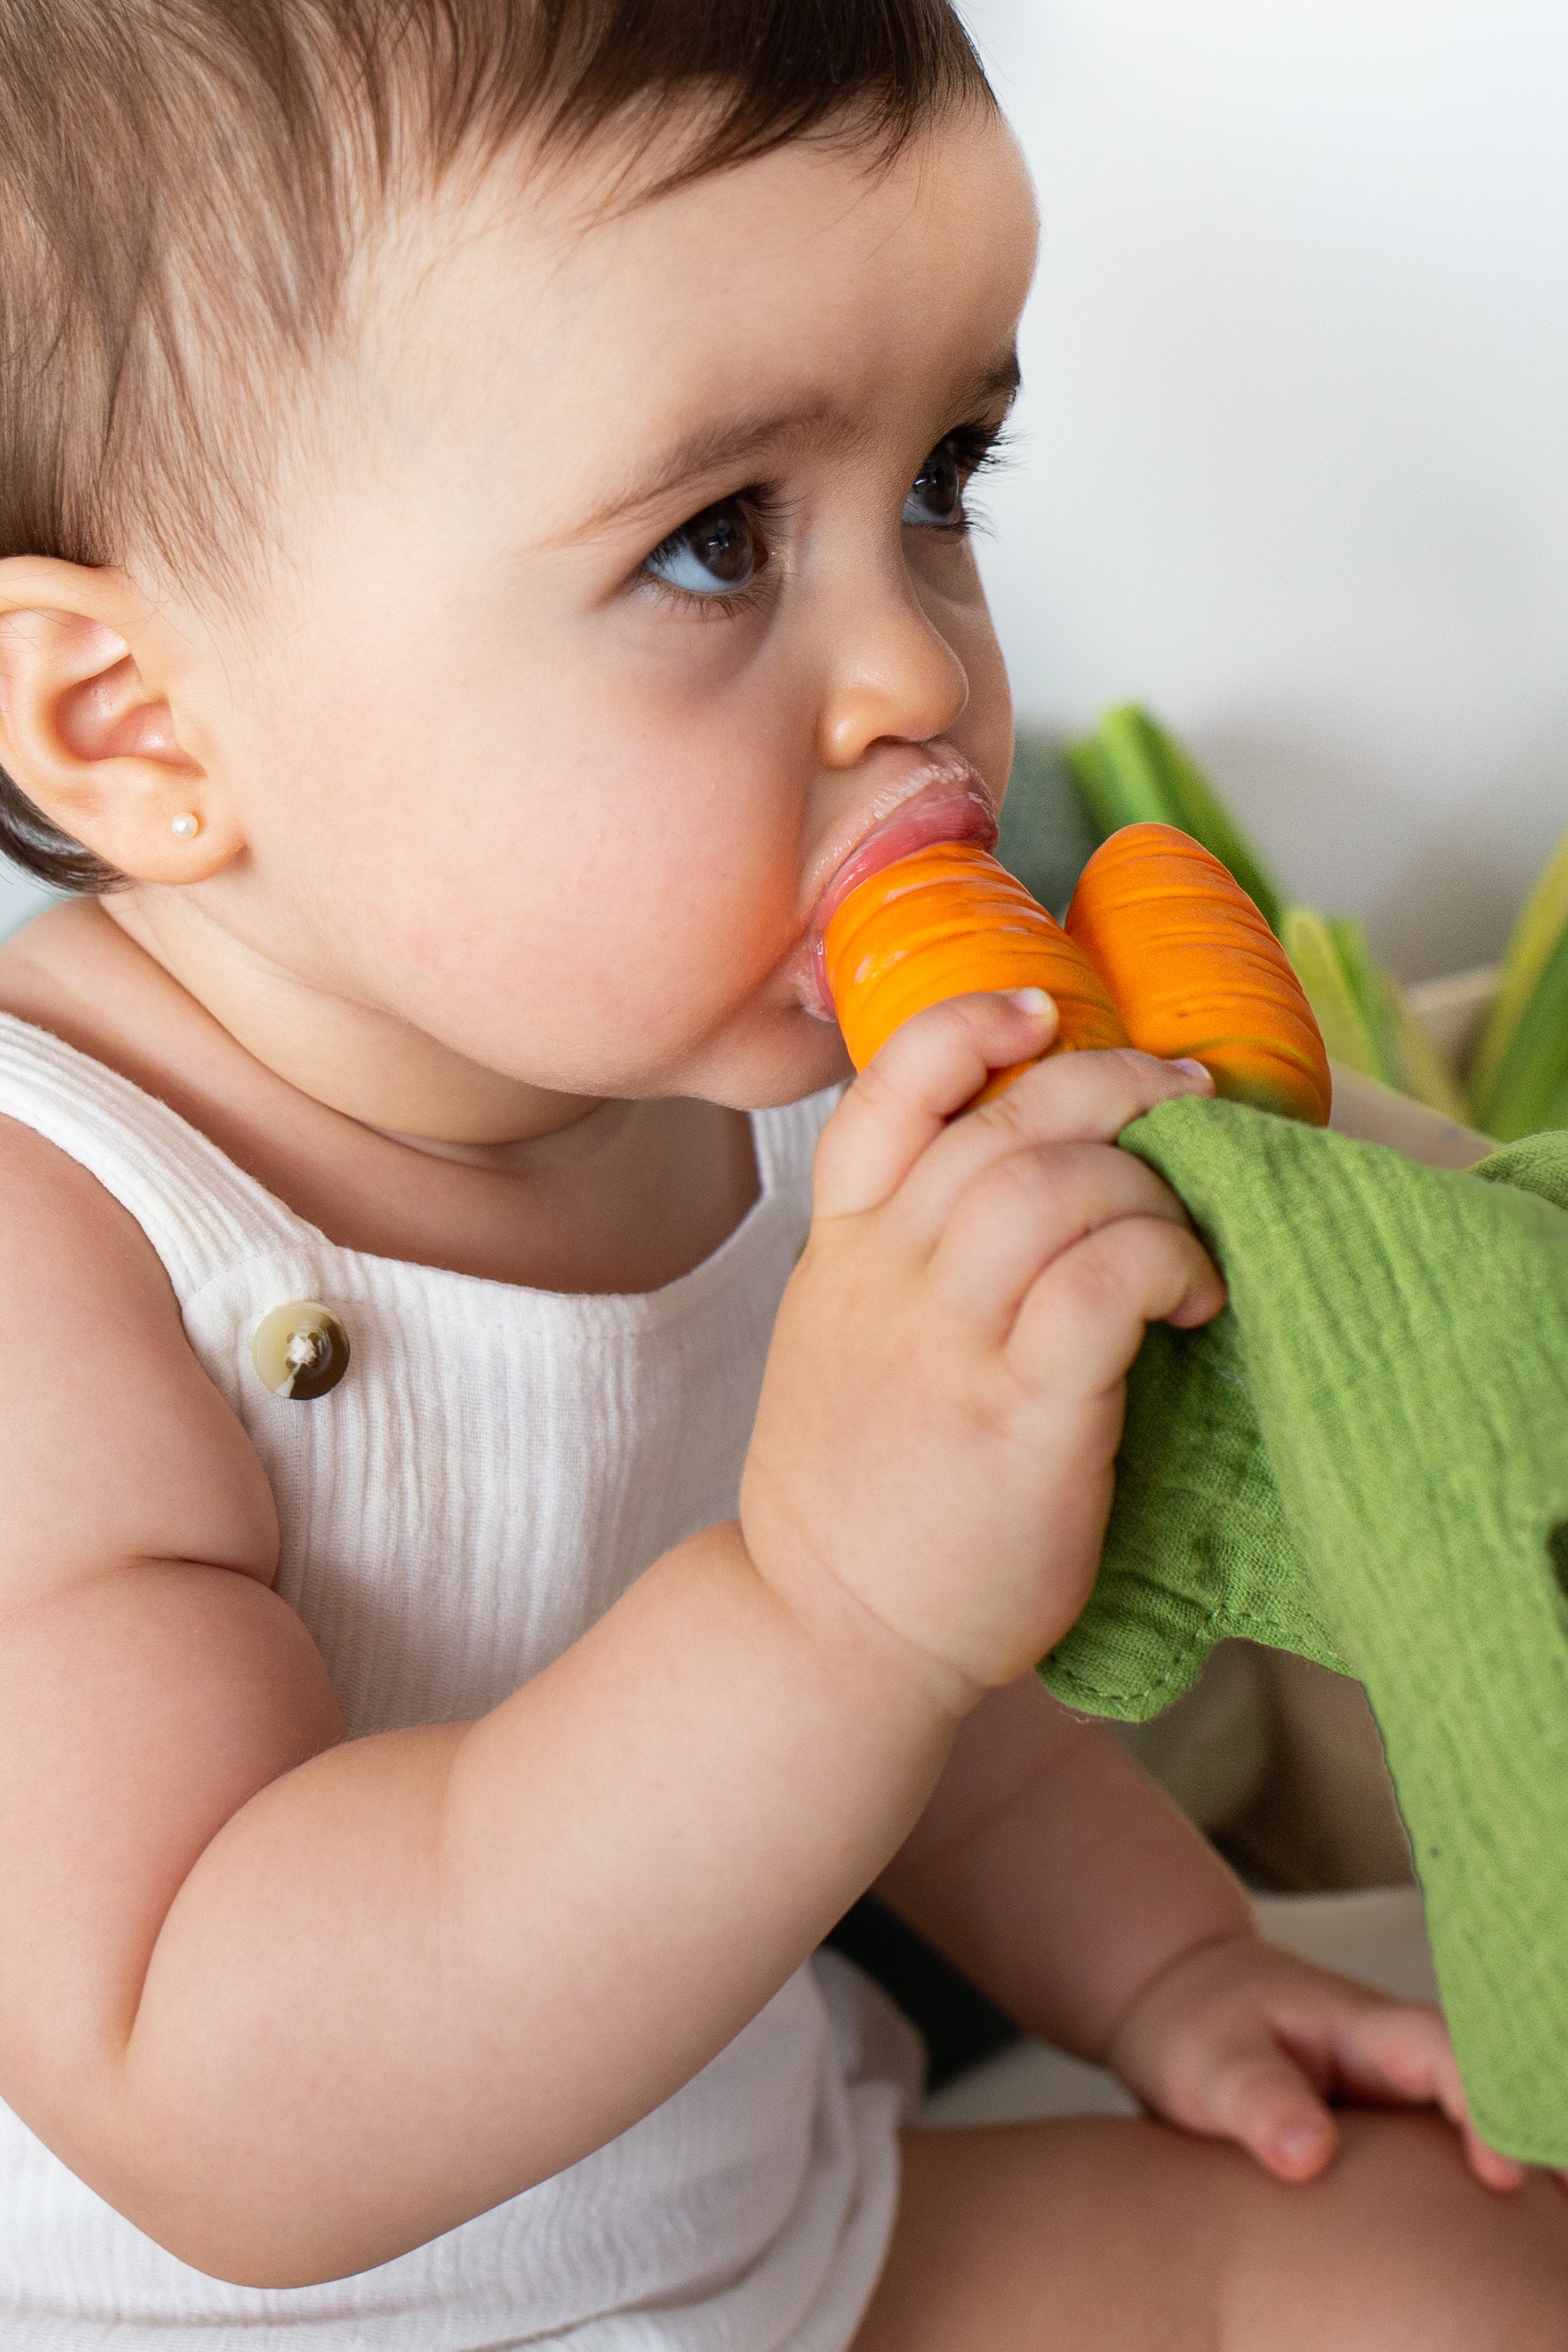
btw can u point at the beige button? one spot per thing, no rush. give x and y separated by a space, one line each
300 1351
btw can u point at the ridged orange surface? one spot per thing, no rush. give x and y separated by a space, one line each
1195 971
947 921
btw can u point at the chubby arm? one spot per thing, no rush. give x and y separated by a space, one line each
295 2004
1056 1874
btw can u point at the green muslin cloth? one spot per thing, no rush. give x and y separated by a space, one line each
1364 1460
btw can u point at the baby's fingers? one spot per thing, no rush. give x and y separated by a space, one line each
1028 1207
1490 2166
1260 2098
1069 1099
1404 2052
1090 1307
926 1070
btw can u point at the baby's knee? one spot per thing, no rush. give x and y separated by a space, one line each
1431 2262
1492 2304
1532 2282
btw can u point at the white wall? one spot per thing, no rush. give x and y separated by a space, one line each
1293 462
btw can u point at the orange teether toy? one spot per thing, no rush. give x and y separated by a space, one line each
1162 950
1196 972
944 922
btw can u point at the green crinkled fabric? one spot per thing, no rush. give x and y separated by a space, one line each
1364 1460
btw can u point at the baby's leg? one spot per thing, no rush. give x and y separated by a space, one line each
1128 2237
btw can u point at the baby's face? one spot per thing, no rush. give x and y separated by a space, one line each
631 592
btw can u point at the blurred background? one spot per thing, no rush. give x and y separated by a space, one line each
1292 454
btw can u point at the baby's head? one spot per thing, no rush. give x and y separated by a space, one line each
497 466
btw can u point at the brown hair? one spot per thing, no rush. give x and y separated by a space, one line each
183 184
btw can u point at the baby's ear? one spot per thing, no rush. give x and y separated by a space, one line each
88 736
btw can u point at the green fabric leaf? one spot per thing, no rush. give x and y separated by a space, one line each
1364 1459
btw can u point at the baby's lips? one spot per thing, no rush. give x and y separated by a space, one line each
954 807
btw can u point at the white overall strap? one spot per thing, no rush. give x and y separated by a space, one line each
201 1213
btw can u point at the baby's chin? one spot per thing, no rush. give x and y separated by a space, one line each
782 1056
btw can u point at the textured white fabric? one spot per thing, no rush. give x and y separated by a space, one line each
492 1472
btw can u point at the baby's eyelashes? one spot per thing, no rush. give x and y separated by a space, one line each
718 553
936 499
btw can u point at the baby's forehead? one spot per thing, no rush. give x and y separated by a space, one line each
181 240
804 291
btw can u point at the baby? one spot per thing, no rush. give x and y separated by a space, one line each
482 503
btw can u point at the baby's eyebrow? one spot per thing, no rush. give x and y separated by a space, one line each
722 444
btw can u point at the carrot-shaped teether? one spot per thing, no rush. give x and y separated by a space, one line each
1162 950
1195 971
940 923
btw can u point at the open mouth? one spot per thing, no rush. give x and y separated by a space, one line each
949 803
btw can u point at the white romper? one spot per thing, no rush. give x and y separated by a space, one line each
493 1471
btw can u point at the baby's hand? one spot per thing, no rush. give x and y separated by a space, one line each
943 1401
1241 2041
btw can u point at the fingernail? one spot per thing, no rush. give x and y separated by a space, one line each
1194 1070
1030 1000
1301 2143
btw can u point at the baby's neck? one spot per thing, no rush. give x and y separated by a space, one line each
515 1156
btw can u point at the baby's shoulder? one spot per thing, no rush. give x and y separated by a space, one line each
117 1447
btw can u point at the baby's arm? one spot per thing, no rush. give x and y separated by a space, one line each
292 2003
295 2004
1052 1869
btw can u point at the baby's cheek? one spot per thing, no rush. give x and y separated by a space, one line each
622 909
701 988
710 961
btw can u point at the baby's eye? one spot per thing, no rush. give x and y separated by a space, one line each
714 554
936 499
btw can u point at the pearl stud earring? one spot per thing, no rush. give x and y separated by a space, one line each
186 826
